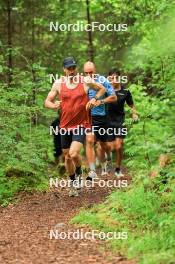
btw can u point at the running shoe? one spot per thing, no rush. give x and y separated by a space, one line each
118 173
91 175
73 190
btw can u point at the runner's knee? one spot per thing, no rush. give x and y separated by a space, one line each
73 154
118 146
65 152
89 142
67 158
104 146
111 146
66 155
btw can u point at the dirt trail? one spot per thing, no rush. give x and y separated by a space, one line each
25 229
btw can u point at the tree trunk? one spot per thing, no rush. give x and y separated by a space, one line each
9 43
34 117
90 49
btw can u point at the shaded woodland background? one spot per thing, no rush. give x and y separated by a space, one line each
29 52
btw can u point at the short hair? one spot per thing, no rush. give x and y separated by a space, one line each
114 71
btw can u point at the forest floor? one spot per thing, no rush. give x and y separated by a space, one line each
25 229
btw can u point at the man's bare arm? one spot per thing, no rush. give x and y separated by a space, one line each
49 102
135 116
101 91
110 99
107 100
90 83
98 87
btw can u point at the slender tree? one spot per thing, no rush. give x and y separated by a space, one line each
90 40
9 42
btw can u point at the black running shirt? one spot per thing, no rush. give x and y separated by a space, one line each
115 110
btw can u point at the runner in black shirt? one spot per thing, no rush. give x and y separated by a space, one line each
116 117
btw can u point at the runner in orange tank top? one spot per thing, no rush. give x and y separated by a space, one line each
72 91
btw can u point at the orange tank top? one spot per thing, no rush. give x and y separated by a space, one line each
73 107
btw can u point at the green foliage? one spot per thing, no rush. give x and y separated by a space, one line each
25 142
145 214
146 209
153 134
145 52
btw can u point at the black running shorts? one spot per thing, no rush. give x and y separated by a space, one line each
70 136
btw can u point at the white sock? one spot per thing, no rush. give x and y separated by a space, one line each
92 166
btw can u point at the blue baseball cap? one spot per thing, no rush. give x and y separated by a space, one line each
69 62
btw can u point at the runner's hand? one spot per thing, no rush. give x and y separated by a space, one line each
57 105
97 103
91 104
135 117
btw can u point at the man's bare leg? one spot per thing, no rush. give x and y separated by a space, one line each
72 160
90 152
70 167
102 148
105 148
74 153
119 154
